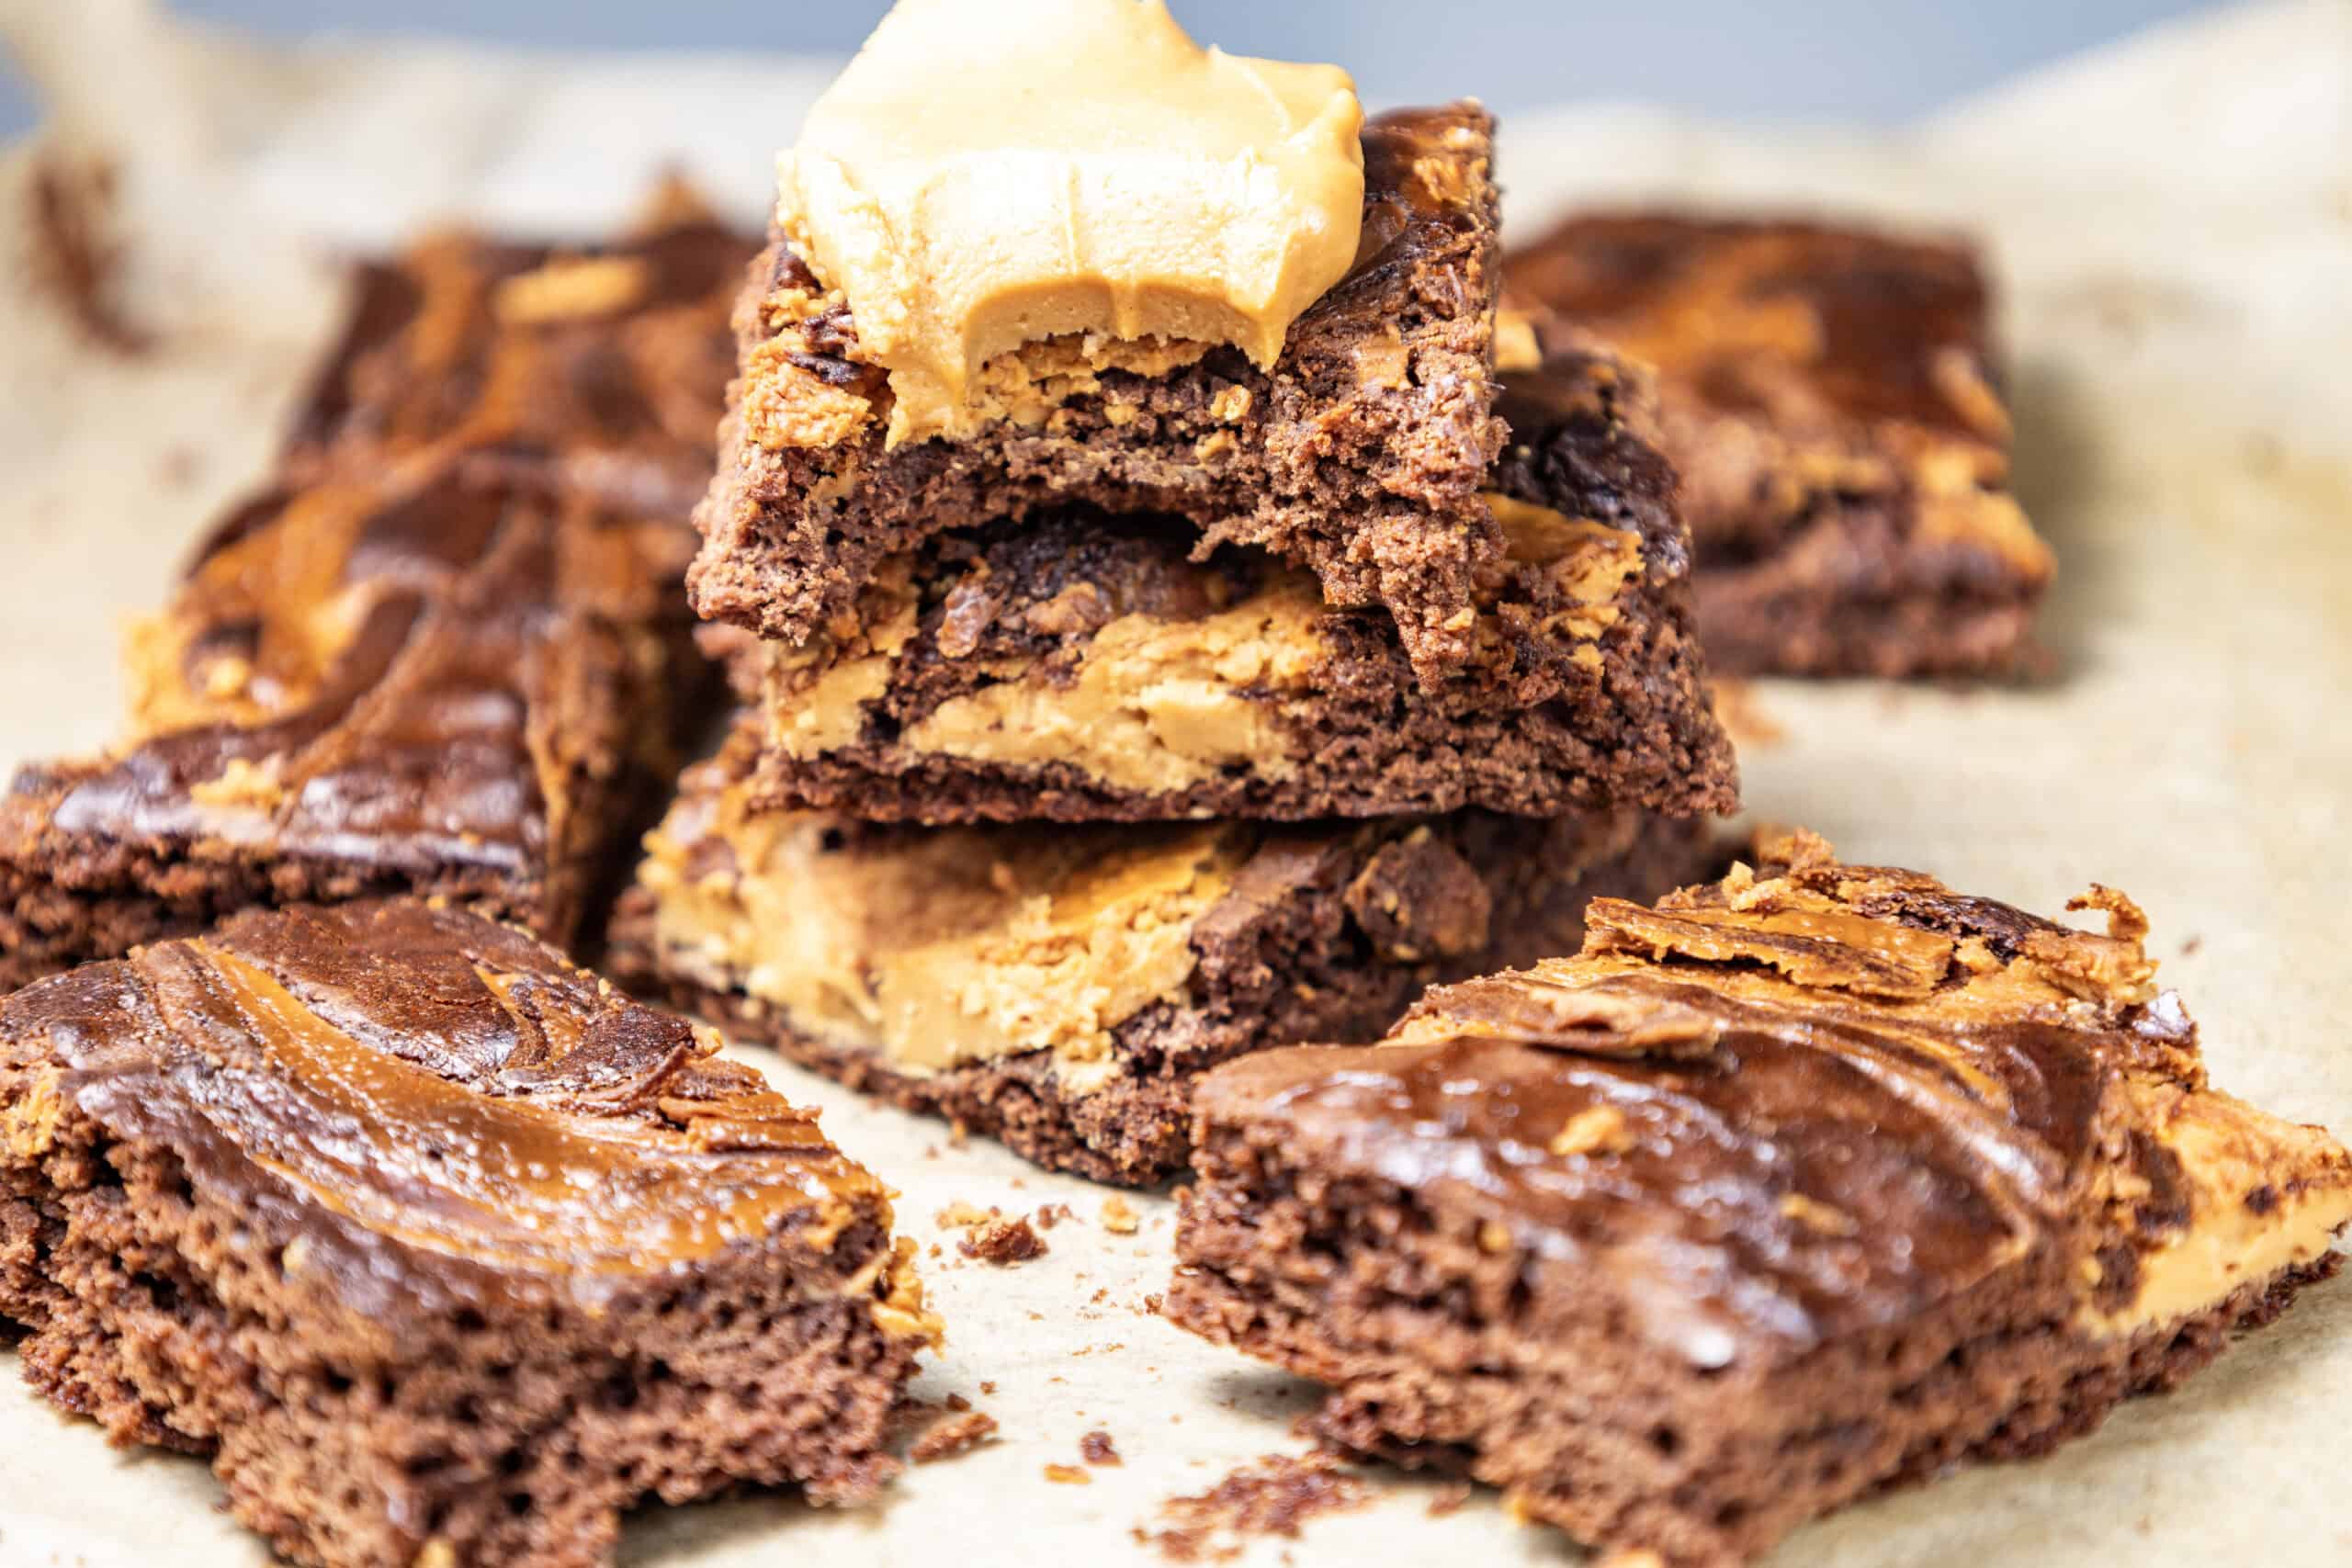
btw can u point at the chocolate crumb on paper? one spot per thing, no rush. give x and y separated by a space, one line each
1003 1241
1097 1448
1272 1495
953 1434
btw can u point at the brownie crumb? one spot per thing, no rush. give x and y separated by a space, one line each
958 1404
75 259
1051 1215
961 1215
1450 1499
1002 1241
954 1435
1069 1475
1272 1495
1096 1447
1119 1216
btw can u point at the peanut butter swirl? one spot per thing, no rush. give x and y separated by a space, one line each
1825 1100
983 176
436 1108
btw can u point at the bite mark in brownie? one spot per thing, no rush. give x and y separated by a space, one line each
1359 454
1808 1183
423 678
1059 987
440 1250
1079 666
1829 397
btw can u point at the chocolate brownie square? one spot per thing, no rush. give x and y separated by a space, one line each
1360 454
1828 396
428 679
1059 988
442 1251
1079 666
608 361
1790 1189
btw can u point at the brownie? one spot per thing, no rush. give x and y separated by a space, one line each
1828 396
1078 665
608 361
1360 454
442 1251
427 679
1059 987
1786 1190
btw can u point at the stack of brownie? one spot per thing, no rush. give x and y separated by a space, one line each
1190 707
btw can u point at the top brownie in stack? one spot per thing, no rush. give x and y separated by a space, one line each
1360 453
1079 666
1828 395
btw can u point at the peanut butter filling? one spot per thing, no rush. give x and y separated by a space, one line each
986 176
1155 703
942 947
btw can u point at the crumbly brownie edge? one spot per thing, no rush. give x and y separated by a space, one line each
1400 472
163 1311
1292 971
1407 1313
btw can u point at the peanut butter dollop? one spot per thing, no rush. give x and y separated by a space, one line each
985 175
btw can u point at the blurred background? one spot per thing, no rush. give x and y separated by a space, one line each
1871 60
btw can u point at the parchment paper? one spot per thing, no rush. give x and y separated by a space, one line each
2173 223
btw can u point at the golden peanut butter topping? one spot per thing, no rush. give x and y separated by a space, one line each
985 175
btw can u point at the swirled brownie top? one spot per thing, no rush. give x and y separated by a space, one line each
1823 1098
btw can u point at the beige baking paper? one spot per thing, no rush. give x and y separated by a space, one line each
2174 224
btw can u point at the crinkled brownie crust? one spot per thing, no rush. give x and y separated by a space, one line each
1360 454
1563 706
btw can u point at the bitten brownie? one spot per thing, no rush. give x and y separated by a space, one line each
1059 988
441 1250
1360 454
1827 396
1788 1189
607 363
1079 666
416 680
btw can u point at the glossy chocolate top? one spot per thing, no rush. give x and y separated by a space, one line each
1815 1100
415 1105
397 672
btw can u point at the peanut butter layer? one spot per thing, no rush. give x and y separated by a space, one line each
986 176
1828 397
1085 972
1081 665
1859 1165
